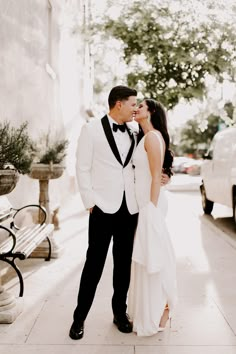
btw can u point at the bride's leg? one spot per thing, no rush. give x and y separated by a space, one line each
164 318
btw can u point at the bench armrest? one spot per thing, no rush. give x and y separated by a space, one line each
24 208
5 244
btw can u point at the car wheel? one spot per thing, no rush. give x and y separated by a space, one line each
207 205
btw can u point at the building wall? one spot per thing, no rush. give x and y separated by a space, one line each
44 69
29 71
28 92
76 75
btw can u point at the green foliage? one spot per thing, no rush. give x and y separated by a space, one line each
170 53
229 108
194 139
55 153
15 147
50 150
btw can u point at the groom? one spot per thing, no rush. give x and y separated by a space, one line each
106 181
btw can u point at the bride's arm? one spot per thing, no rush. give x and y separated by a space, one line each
152 146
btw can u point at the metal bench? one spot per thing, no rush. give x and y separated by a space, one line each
20 241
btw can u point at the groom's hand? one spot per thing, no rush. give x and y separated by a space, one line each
165 179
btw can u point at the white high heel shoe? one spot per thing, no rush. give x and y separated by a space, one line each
161 329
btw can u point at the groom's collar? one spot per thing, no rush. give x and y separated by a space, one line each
111 120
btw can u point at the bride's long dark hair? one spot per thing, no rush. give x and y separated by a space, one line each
159 122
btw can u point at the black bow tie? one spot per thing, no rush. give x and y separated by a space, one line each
118 126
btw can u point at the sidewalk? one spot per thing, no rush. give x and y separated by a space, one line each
184 182
204 321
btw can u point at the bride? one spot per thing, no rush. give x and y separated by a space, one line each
153 291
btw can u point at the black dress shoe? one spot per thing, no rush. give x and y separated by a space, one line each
123 324
77 330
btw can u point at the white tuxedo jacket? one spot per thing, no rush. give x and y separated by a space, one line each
101 175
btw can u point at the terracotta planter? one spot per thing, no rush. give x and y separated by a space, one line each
8 181
42 171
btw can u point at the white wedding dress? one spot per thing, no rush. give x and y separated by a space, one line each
153 273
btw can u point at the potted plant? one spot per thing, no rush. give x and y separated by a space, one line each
49 153
48 158
15 155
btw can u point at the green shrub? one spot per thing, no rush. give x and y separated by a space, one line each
15 147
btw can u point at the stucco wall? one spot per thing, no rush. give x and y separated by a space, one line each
27 90
33 34
29 37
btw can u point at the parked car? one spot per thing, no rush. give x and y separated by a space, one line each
218 172
193 168
179 162
183 164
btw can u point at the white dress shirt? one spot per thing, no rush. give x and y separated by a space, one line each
122 140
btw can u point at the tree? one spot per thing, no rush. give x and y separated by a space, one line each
229 108
194 138
170 51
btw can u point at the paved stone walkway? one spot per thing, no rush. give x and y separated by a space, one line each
203 323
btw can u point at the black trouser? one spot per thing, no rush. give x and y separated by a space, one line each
102 227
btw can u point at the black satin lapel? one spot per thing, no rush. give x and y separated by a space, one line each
131 148
110 138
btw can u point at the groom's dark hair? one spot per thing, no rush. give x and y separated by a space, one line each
120 93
